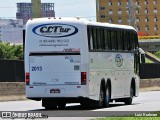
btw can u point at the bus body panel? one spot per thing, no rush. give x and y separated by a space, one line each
55 70
108 65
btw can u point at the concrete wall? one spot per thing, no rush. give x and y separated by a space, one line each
150 85
16 90
12 91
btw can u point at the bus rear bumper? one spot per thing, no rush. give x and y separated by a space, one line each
56 91
63 99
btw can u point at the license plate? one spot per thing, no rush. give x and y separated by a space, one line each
55 91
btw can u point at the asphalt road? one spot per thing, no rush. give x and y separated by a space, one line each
147 101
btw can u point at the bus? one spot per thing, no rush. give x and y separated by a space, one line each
74 60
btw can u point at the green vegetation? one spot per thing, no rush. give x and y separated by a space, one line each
157 54
13 52
148 60
129 118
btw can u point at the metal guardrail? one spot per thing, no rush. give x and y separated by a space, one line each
149 70
152 57
12 71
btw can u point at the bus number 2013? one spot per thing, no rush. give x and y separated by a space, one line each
36 68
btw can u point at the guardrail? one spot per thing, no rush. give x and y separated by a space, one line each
149 70
12 71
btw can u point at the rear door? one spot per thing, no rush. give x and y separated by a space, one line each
54 68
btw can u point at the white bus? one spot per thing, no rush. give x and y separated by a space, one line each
73 60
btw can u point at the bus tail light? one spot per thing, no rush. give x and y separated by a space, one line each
27 78
83 78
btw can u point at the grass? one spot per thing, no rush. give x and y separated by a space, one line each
148 60
129 118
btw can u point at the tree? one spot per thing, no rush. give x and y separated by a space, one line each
157 54
8 51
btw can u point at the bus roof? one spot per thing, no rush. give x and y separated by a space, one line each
112 25
79 20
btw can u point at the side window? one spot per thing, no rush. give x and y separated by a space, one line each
116 39
119 39
103 38
123 39
125 36
94 35
113 39
109 39
90 37
99 38
106 38
129 40
132 39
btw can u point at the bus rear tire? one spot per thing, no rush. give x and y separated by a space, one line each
100 102
85 104
107 97
48 104
128 101
61 106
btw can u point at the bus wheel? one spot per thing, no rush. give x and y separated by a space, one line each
128 101
61 105
101 98
85 105
107 97
47 103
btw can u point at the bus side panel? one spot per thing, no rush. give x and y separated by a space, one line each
118 67
99 67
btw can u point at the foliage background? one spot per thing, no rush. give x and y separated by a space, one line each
157 54
13 52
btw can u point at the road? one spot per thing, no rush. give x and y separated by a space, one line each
147 101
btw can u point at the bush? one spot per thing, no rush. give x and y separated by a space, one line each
157 54
8 51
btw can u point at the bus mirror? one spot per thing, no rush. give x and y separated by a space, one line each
141 51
